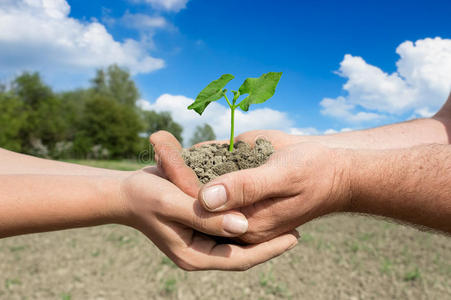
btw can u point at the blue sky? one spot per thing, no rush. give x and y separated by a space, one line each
198 40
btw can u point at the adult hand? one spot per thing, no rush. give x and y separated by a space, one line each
298 183
301 181
173 221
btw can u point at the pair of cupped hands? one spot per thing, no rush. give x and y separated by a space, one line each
259 209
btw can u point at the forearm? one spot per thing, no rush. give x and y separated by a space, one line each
412 185
16 163
400 135
37 203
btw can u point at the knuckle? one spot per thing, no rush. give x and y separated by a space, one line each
249 191
199 218
260 230
254 237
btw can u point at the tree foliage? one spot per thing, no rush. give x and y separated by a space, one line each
100 121
202 134
162 121
44 123
112 126
12 121
117 84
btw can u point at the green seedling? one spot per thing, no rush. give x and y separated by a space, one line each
258 90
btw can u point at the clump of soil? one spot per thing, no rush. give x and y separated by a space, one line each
213 160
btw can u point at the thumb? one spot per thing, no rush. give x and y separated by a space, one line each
170 161
189 211
245 187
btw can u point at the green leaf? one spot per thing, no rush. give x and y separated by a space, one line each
259 89
211 93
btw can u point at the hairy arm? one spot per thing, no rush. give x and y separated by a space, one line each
400 135
412 184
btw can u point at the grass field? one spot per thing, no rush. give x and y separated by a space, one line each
123 165
338 257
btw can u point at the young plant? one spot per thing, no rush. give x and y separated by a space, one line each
258 90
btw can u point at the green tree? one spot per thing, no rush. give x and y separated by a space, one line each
116 82
99 82
12 120
45 125
109 128
73 108
30 89
202 134
102 119
162 121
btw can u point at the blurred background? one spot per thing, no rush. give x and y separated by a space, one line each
88 82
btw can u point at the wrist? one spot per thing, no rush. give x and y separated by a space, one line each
115 204
343 179
369 172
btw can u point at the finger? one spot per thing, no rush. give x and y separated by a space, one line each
245 187
278 138
239 258
188 211
251 137
168 150
265 224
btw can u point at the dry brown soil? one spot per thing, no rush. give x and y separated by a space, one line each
212 160
338 257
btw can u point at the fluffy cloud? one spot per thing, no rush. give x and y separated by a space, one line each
39 34
419 86
169 5
218 116
143 22
341 108
304 131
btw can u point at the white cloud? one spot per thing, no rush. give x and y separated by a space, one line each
333 131
40 35
218 116
143 22
341 108
420 85
424 112
169 5
330 131
304 131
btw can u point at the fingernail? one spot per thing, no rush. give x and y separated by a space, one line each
293 245
234 224
214 196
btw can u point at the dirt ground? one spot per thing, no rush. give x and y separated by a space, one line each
213 160
338 257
